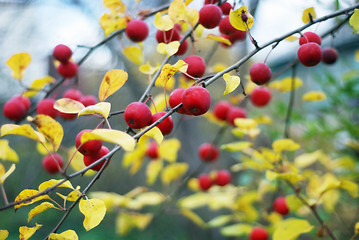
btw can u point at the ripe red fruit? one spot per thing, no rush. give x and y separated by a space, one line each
138 115
67 69
210 15
152 150
196 66
73 94
196 100
260 73
182 48
14 109
258 233
93 158
208 152
310 37
235 112
280 206
260 96
167 36
88 148
309 54
49 163
210 1
329 55
88 100
166 125
225 26
25 100
137 30
176 98
223 177
226 8
238 35
204 181
62 53
46 107
220 109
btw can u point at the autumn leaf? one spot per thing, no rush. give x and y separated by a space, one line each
3 174
115 5
66 235
291 228
67 105
153 170
236 230
219 39
102 108
52 182
113 22
220 220
94 211
125 222
26 193
23 130
193 217
169 148
163 22
39 209
354 21
178 11
38 85
314 96
356 228
112 82
309 15
169 49
134 54
4 234
285 85
173 172
154 133
241 19
285 144
148 69
6 152
169 70
27 232
77 162
232 82
150 198
236 146
18 63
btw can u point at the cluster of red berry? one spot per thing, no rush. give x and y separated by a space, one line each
63 54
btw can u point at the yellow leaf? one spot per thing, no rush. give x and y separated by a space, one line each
139 153
199 31
118 137
150 198
236 230
356 55
291 228
163 23
102 108
4 234
350 187
193 217
94 211
173 172
219 39
245 123
125 222
236 18
309 15
39 209
50 128
67 105
291 38
6 174
236 146
113 22
66 235
153 169
38 85
232 82
293 202
6 152
178 11
169 70
148 69
220 220
168 149
307 159
193 184
264 119
169 49
18 63
219 67
292 177
27 232
193 201
285 144
314 96
52 182
134 54
156 134
285 85
77 162
112 81
356 228
26 194
115 5
43 148
24 130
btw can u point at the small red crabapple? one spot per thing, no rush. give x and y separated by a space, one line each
280 206
67 69
14 109
138 115
62 53
329 55
205 182
25 100
309 54
260 96
137 30
176 98
196 100
166 125
182 48
167 36
226 8
88 100
208 152
235 112
310 37
210 15
73 94
88 148
221 108
88 160
46 107
196 66
49 163
237 36
152 150
258 233
222 178
260 73
225 26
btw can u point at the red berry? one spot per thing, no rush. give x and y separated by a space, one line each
25 100
238 35
67 69
210 1
138 115
330 55
182 48
309 54
225 26
176 98
210 15
223 177
235 112
260 73
88 100
50 165
208 152
226 8
258 233
137 30
204 181
280 206
310 37
62 53
220 109
166 125
260 96
196 100
196 66
14 109
88 160
46 107
73 94
152 150
167 36
88 148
